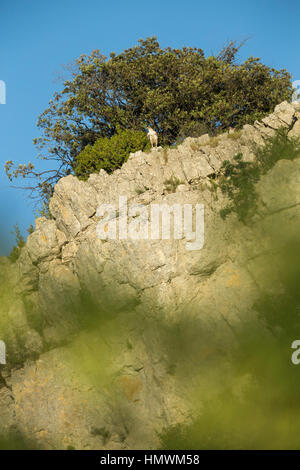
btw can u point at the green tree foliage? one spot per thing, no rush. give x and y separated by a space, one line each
109 154
175 91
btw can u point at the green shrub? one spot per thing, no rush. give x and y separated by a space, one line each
238 183
110 154
172 183
20 242
279 147
238 178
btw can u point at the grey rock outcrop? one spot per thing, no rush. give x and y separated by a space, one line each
156 280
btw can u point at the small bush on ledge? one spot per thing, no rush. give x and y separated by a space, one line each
110 154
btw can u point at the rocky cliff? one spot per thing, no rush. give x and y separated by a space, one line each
105 337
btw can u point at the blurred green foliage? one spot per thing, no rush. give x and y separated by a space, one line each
256 404
16 441
20 242
242 394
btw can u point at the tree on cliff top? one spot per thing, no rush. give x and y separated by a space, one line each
178 92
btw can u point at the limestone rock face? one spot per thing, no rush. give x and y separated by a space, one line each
52 350
45 242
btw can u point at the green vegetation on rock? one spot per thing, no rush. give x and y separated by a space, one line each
109 154
239 177
178 92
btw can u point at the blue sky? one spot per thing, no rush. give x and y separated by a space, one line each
37 37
